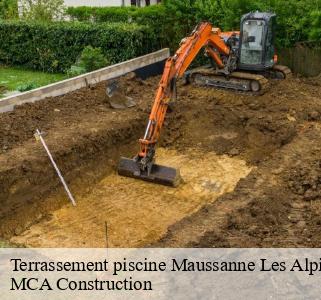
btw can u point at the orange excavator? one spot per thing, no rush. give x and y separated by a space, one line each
228 53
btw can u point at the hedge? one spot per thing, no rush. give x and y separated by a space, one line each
298 20
54 47
144 15
100 14
154 16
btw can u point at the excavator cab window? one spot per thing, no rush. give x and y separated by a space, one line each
270 51
257 41
252 42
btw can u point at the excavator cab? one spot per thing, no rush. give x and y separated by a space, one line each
256 45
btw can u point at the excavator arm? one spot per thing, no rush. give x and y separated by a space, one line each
203 35
143 166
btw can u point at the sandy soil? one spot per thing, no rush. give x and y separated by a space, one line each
137 212
251 166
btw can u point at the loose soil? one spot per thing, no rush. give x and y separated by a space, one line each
251 167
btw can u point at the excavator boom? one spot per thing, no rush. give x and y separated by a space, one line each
143 165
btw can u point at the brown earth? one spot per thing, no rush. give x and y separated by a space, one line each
252 169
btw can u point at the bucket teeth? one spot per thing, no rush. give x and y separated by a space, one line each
159 174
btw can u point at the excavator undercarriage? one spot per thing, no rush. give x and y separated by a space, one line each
249 82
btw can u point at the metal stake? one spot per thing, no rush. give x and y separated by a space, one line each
106 233
38 134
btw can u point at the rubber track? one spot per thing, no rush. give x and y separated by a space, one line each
263 82
284 69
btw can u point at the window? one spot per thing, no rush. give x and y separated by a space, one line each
252 42
270 43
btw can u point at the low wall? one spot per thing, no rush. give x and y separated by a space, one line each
304 58
69 85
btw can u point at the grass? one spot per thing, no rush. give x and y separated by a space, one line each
4 244
13 78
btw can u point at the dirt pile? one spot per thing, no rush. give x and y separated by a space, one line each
268 208
82 132
306 180
18 126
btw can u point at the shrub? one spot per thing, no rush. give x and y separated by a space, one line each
154 16
298 20
75 71
100 14
90 59
8 9
39 10
27 87
80 13
55 46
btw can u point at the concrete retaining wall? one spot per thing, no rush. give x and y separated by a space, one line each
69 85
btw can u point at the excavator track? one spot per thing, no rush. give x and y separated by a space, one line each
238 81
243 82
281 72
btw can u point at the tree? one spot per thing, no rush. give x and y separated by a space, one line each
297 20
315 31
43 10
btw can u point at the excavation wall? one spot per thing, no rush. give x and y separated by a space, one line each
251 169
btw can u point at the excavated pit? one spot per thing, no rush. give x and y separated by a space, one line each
137 212
250 164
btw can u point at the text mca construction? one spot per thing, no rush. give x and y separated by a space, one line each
118 268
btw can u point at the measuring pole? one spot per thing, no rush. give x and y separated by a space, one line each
39 135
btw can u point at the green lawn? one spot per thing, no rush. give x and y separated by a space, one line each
13 78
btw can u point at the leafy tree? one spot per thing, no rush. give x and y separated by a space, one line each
181 14
315 32
298 20
43 10
233 10
295 22
184 15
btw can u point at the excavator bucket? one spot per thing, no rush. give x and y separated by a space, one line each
116 98
159 174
